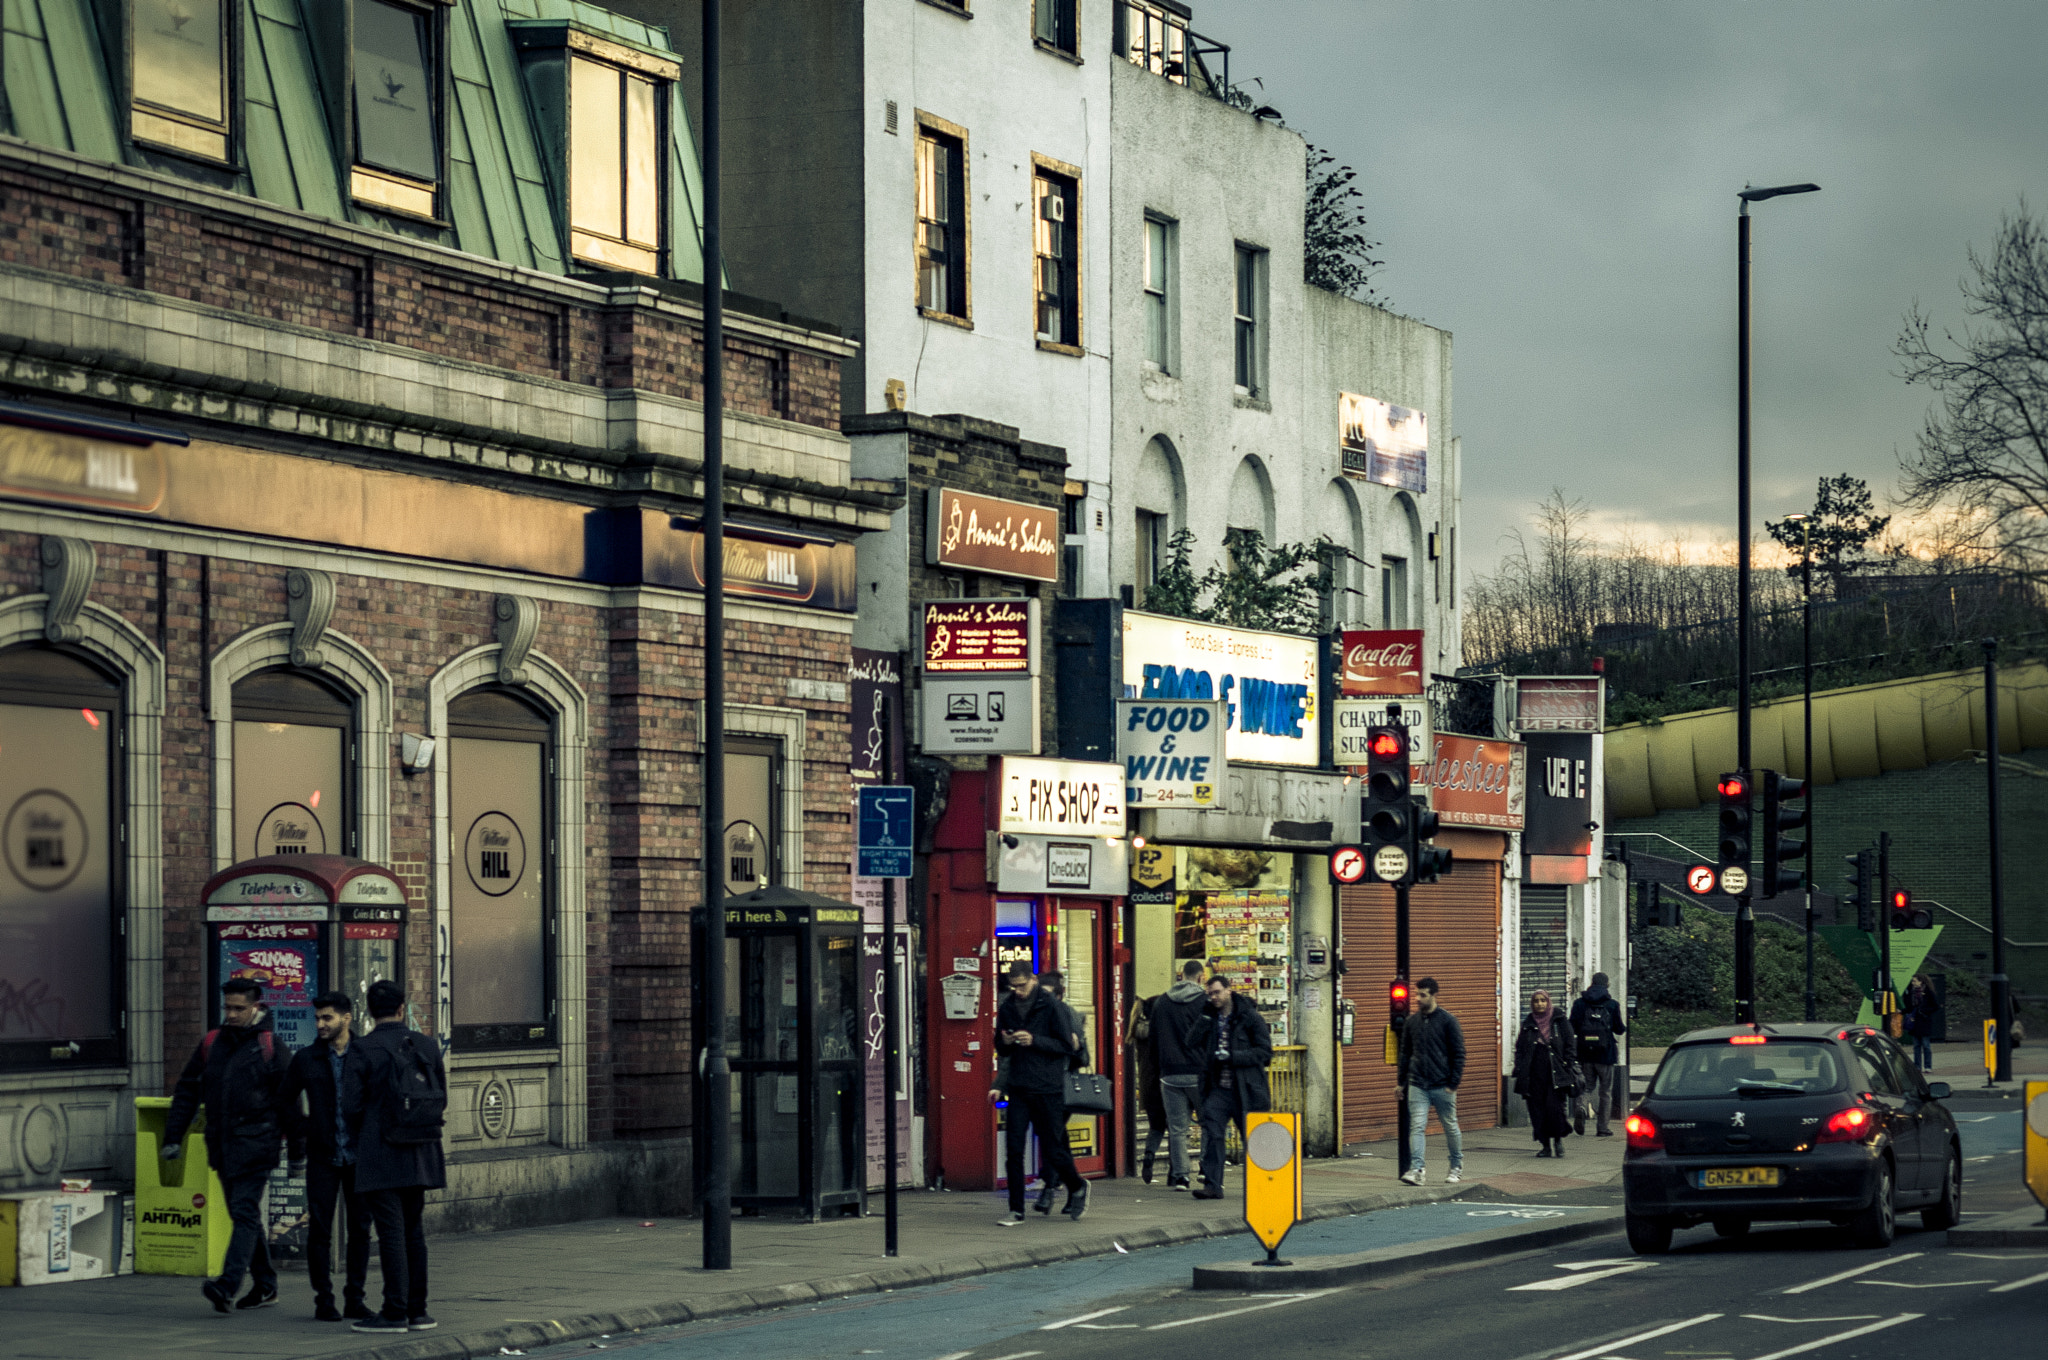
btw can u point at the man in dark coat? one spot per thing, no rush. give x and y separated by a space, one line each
331 1169
238 1074
1431 1068
1237 1046
1175 1018
393 1177
1035 1043
1596 1020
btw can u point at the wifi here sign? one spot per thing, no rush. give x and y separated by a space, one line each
1172 750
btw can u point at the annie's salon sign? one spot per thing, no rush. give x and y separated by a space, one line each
982 533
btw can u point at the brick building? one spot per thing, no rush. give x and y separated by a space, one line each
350 458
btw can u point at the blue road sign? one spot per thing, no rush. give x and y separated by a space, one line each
885 836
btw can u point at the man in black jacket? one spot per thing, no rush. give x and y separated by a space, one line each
1175 1017
1035 1043
238 1073
1431 1068
1596 1019
331 1171
393 1177
1237 1046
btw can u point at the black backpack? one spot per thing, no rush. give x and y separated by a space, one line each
416 1102
1594 1033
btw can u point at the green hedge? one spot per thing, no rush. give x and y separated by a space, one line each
1684 979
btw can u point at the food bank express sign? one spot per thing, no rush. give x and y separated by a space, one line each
1266 682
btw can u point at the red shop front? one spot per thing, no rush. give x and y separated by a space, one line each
1005 884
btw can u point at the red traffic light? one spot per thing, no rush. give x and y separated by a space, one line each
1901 900
1387 745
1398 992
1732 786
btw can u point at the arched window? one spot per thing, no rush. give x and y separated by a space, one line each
62 892
295 764
501 827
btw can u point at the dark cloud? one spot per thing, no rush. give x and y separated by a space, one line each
1555 183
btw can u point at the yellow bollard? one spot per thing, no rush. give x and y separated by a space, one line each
1272 1179
2036 1141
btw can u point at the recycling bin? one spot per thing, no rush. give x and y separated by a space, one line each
181 1215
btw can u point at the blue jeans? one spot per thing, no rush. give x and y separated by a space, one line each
1182 1095
1923 1052
249 1245
1442 1099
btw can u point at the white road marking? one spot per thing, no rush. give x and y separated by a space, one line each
1852 1317
1613 1347
1574 1281
1605 1261
1085 1317
2021 1284
1938 1284
1852 1274
1212 1317
1987 1256
1991 1157
1975 1118
1109 1326
1015 1355
1841 1336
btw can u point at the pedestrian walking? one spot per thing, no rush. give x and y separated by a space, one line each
314 1078
1035 1040
1595 1021
237 1074
1920 1005
394 1095
1145 1063
1431 1068
1545 1068
1175 1018
1238 1047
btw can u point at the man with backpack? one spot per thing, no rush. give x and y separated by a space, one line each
238 1074
1596 1020
394 1095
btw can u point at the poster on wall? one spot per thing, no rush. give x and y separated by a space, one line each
1383 443
283 957
874 1059
1234 913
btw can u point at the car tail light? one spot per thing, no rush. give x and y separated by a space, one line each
1852 1125
1643 1133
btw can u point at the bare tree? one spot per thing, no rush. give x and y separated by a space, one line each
1984 447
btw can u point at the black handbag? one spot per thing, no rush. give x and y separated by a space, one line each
1089 1093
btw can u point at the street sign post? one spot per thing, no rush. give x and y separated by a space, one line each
1735 880
885 839
1347 864
1272 1179
1699 879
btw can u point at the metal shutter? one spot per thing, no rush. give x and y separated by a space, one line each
1543 942
1454 937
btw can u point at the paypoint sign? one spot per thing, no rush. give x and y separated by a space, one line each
1172 751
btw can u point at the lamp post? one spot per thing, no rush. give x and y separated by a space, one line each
1745 910
714 1121
1805 523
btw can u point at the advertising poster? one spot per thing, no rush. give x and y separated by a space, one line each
1234 912
1475 782
875 1058
284 958
1384 443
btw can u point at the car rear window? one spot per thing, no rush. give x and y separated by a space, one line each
1719 1068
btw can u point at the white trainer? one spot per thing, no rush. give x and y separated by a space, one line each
1414 1177
1454 1176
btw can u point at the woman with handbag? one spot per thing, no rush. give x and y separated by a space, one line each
1545 1072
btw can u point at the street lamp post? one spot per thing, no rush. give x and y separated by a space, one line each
1745 910
1805 523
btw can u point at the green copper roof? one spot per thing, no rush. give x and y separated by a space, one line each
500 199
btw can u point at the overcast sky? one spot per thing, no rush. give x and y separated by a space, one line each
1555 184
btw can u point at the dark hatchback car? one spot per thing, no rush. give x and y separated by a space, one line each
1786 1122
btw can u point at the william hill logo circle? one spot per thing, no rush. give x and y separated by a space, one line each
495 854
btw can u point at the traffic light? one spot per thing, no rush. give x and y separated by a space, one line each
1431 863
1780 790
1862 878
1735 821
1389 811
1397 1002
1905 916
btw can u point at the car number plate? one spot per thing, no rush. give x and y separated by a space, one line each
1737 1177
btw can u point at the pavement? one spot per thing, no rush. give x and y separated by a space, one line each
584 1282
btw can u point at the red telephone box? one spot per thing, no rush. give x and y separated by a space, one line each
975 931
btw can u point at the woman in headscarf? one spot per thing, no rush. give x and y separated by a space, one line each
1544 1068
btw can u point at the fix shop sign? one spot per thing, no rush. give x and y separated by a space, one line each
1061 797
1382 661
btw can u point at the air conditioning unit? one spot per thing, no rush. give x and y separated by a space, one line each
1053 208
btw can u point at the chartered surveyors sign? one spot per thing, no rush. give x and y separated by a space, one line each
1266 682
1172 751
1061 797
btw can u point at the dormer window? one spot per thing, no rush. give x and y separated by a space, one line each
178 77
395 108
615 160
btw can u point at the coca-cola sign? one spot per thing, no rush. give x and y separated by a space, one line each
1383 661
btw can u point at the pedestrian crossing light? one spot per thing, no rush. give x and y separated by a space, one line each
1783 811
1735 822
1863 894
1905 916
